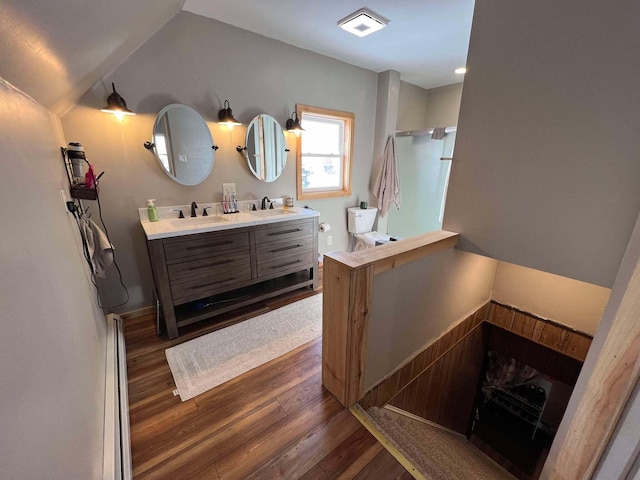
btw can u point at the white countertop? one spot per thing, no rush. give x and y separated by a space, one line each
175 227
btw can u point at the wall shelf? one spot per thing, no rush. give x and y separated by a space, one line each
81 192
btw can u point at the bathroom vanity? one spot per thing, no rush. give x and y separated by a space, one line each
206 266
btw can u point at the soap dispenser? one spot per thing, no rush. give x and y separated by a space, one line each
152 211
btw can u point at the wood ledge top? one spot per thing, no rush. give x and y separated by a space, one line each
393 254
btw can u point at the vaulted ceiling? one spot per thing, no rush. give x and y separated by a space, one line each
55 51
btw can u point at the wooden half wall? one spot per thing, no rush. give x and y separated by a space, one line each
391 311
348 280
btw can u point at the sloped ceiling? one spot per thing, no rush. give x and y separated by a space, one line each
55 50
425 40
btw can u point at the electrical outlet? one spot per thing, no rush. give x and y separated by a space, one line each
65 199
229 189
329 239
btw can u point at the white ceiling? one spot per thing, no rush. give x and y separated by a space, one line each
424 41
55 50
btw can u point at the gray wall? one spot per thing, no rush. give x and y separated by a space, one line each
578 305
52 346
419 108
54 51
624 435
546 168
201 62
443 106
417 302
412 105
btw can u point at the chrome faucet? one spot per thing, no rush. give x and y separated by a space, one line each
264 205
194 205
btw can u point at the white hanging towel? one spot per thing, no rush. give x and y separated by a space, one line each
99 248
387 186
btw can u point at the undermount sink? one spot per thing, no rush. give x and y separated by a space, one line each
197 221
271 213
175 227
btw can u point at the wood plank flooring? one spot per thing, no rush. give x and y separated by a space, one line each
274 422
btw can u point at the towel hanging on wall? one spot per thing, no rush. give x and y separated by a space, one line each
99 249
438 133
387 186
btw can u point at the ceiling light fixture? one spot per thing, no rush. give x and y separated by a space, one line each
293 125
116 105
225 116
363 22
460 70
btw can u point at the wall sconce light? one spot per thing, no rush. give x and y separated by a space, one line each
225 116
293 125
117 105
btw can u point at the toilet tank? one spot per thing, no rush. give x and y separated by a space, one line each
361 220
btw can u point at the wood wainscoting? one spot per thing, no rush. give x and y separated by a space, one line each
439 356
551 334
441 382
445 392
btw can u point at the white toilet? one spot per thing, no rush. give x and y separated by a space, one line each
360 223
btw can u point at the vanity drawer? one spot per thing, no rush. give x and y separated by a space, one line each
288 264
196 288
284 231
205 244
270 251
210 266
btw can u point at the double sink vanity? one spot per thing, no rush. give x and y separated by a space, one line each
206 266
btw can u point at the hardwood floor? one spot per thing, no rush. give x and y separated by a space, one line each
276 421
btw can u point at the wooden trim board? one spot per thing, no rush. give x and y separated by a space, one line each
345 312
410 415
355 410
394 254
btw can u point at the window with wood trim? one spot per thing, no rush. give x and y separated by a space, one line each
324 152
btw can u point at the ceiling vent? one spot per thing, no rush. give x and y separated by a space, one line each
363 22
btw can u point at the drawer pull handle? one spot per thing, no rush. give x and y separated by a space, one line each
285 264
284 232
285 248
209 245
213 264
213 283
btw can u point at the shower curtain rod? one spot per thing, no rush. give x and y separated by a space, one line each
423 133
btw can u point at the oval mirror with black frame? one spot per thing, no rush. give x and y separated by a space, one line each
266 149
183 144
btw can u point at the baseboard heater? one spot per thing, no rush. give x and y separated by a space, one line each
117 441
